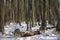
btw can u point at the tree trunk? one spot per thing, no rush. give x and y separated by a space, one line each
43 15
33 13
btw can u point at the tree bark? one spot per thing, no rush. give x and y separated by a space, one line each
33 12
43 15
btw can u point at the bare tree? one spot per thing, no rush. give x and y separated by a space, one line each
2 15
33 12
43 15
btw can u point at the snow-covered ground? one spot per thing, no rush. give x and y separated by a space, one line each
23 27
9 28
36 37
47 35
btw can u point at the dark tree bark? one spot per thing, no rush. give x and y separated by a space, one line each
43 15
56 13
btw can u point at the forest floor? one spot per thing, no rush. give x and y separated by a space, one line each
49 34
35 37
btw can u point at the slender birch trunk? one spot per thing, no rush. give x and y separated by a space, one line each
3 13
33 12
